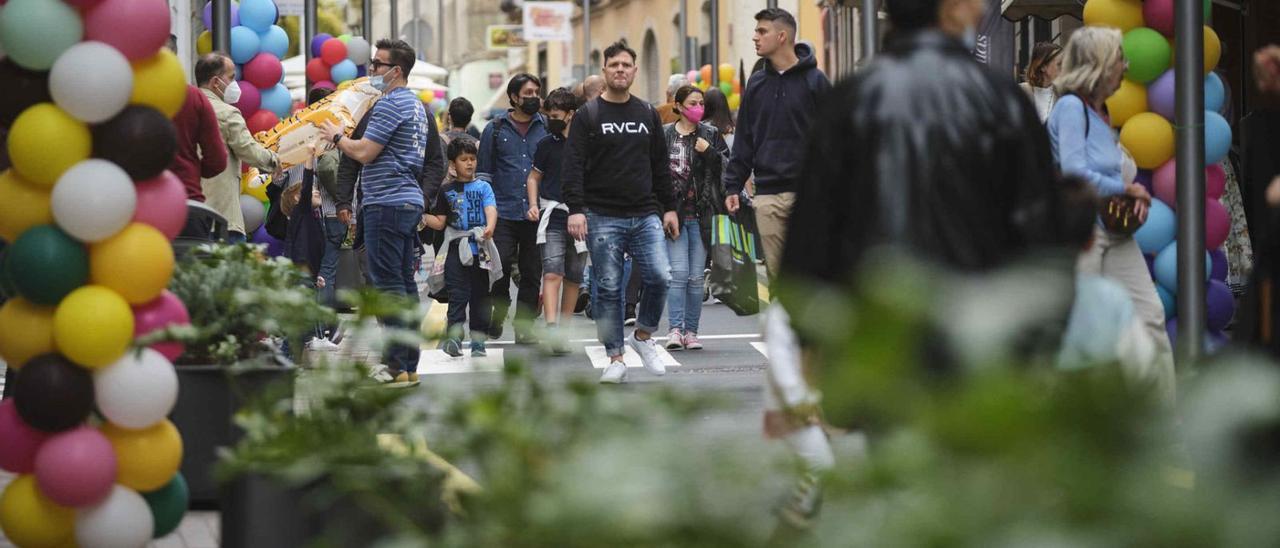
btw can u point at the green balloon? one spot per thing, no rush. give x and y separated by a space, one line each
727 88
1148 53
1208 9
45 264
35 32
168 505
344 38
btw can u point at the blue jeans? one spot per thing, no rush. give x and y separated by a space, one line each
334 234
688 259
609 238
390 239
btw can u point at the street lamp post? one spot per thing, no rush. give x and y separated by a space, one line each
1189 81
586 38
222 25
715 43
309 29
366 19
870 36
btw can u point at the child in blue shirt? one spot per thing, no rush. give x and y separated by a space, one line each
465 204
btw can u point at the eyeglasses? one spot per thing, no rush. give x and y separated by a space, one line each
375 64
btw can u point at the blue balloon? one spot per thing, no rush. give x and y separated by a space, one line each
244 44
258 15
362 71
1217 138
277 100
1215 93
1167 267
1160 228
275 41
341 72
1166 299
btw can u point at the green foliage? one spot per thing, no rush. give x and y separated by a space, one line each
235 296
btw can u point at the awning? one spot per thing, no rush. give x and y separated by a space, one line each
1017 10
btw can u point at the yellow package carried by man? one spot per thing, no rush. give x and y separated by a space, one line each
291 138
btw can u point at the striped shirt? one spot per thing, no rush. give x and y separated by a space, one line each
398 122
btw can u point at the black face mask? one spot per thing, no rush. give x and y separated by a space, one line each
530 105
556 126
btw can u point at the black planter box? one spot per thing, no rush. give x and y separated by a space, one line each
259 512
208 398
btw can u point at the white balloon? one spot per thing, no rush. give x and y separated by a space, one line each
93 200
358 50
253 213
123 520
91 81
136 391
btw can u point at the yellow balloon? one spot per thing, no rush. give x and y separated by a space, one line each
1125 15
31 520
1212 50
45 141
22 205
158 82
26 331
726 72
204 43
1129 101
135 263
145 459
93 326
1149 138
735 101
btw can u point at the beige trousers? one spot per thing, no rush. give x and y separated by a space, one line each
772 213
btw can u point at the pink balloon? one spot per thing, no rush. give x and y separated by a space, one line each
1217 225
1215 181
162 203
325 84
76 468
79 4
263 71
21 442
1158 14
165 310
250 99
138 28
1164 181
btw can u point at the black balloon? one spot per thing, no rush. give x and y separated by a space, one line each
139 139
52 394
22 88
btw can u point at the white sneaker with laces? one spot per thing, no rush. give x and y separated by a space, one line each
381 373
616 373
320 344
648 351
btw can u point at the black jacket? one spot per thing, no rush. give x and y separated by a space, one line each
928 151
773 124
705 171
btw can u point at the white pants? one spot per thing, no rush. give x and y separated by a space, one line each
1119 258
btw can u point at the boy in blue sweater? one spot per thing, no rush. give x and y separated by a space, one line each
465 205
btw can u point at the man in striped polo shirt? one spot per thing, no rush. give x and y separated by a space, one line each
391 152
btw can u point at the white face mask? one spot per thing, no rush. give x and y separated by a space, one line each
231 93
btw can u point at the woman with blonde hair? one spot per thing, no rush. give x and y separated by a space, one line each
1046 63
1093 65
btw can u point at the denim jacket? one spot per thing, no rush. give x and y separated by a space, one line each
508 167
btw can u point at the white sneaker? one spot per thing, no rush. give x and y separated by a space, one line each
648 351
321 344
616 373
381 373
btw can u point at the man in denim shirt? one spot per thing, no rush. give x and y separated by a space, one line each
506 156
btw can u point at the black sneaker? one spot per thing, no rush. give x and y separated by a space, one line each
584 299
495 332
630 316
453 347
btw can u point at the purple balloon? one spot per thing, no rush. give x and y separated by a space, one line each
1162 96
316 41
275 248
1171 329
207 16
1218 269
1221 305
1151 263
1144 178
362 71
1215 341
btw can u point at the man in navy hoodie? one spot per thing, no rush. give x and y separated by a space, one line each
773 122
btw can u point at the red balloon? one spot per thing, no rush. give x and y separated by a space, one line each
21 442
250 99
324 84
317 70
263 71
332 51
1215 181
162 203
1217 224
1158 14
165 310
262 121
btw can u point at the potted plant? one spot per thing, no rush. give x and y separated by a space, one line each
239 302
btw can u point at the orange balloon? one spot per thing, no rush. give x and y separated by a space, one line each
737 86
706 73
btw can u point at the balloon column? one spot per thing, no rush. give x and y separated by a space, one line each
729 83
1143 110
257 47
337 59
88 212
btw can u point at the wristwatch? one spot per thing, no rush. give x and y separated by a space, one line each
337 138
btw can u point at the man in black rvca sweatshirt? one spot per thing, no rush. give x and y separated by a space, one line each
616 181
